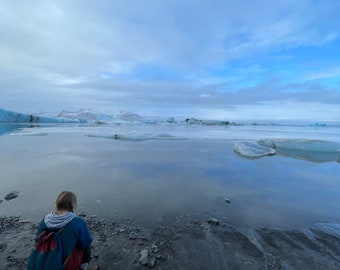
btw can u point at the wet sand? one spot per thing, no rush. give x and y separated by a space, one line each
184 244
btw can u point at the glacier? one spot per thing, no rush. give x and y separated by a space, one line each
7 116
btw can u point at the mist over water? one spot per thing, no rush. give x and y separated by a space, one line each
154 180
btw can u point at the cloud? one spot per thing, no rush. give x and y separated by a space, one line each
209 55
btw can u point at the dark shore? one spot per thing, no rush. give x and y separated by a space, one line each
184 244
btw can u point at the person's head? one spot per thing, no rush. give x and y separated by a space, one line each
66 201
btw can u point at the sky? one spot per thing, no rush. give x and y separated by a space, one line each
211 59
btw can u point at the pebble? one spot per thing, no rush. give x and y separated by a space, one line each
154 248
214 221
144 257
147 260
22 221
227 200
12 195
82 214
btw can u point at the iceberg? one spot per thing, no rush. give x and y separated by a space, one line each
253 150
306 149
87 115
15 117
206 122
30 134
129 116
301 144
135 137
7 128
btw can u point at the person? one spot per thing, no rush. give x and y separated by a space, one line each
75 237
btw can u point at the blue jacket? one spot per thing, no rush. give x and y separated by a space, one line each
74 232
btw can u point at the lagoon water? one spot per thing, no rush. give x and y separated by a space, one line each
153 180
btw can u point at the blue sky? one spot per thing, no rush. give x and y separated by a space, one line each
208 58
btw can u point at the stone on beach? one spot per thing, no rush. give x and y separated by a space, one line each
213 221
147 260
227 200
12 195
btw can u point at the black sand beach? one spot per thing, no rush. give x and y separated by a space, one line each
184 244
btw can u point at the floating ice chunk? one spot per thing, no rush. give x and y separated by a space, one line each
30 134
206 122
253 149
301 144
170 120
104 119
267 142
135 137
312 150
128 116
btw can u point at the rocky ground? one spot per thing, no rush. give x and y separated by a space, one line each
184 244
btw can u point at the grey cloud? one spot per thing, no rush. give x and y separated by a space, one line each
47 46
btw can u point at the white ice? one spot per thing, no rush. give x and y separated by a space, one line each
302 144
135 136
15 117
253 149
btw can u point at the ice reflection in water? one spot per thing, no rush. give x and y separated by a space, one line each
163 179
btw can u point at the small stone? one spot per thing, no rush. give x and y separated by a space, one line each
227 200
154 248
12 195
213 221
152 262
22 221
82 214
144 257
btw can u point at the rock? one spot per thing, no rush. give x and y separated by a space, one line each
12 195
214 221
82 214
152 262
154 248
146 260
22 221
144 257
1 201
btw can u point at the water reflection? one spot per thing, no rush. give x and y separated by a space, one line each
313 156
162 179
8 128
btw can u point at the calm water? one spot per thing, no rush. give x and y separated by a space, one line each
164 179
